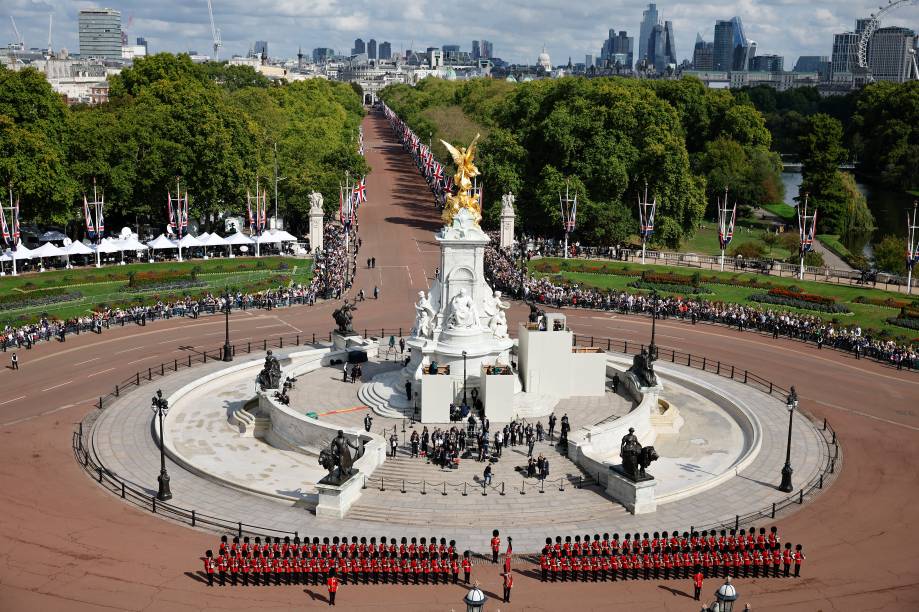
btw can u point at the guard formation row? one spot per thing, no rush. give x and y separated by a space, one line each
277 561
670 555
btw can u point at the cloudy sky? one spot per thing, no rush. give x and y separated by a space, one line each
518 28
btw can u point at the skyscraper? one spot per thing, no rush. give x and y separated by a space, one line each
889 56
732 51
703 57
359 47
588 61
488 50
322 54
661 51
618 47
649 19
767 63
845 54
385 51
476 50
100 33
261 48
372 49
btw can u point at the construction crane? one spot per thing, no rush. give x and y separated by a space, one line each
18 44
215 32
915 73
874 22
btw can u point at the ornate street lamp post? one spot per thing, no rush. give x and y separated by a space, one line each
161 407
791 403
652 349
227 349
725 597
475 599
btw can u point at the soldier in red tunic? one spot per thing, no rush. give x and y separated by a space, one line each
495 546
467 567
209 567
799 559
786 559
332 583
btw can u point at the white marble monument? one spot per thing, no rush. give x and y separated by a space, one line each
507 221
316 222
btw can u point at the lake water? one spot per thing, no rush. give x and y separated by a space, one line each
888 207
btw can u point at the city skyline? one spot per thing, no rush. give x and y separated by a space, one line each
778 28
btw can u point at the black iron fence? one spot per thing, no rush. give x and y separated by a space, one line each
145 498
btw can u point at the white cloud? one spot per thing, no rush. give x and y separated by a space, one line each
518 28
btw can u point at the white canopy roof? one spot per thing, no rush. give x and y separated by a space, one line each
48 250
77 248
162 242
131 244
108 246
238 238
189 241
51 235
285 236
213 240
268 238
22 252
203 237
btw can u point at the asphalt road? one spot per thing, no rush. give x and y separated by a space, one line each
69 545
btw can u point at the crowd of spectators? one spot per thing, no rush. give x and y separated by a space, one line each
505 273
329 281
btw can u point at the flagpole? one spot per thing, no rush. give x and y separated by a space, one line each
911 249
12 230
97 236
178 214
722 215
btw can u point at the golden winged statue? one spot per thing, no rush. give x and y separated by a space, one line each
465 170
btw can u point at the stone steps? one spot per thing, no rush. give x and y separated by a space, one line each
382 399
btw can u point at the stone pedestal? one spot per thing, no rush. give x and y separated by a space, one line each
341 342
637 497
336 500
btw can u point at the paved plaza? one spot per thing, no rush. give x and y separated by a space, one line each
433 499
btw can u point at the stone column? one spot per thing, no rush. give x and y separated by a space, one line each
316 221
507 221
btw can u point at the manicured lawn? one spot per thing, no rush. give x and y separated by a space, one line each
783 211
866 315
705 242
108 285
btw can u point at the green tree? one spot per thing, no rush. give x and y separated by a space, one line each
821 154
890 254
34 137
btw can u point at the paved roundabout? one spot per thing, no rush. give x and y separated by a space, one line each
72 545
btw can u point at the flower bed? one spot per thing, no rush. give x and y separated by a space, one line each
173 285
908 323
784 297
888 302
671 288
14 301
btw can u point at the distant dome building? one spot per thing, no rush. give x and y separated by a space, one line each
510 79
543 60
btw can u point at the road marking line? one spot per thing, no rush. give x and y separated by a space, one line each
13 400
56 386
410 281
45 413
88 360
139 360
97 373
267 326
860 413
136 348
